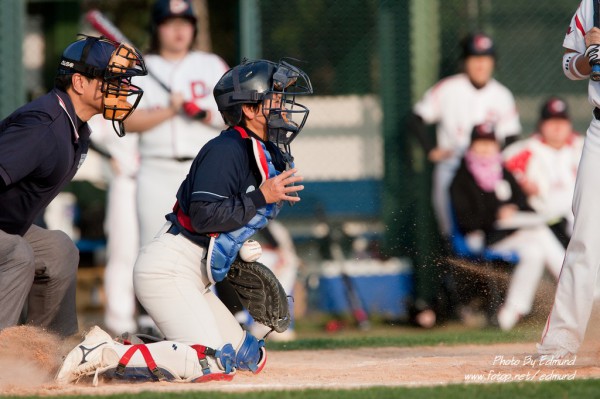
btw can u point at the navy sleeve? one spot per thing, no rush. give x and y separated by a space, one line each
24 147
217 205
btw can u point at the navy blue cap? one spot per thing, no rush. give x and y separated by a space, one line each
554 107
88 56
164 9
478 44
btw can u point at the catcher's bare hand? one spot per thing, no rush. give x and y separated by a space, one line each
281 188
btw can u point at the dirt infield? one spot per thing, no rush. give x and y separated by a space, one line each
30 369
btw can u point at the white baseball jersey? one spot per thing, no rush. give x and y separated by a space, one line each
553 170
456 106
194 77
583 21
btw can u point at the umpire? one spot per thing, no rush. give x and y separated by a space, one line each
42 144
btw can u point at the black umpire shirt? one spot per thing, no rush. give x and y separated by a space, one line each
42 144
221 192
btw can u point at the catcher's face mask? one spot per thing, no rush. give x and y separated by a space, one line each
285 117
125 63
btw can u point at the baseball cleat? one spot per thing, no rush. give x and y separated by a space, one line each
95 354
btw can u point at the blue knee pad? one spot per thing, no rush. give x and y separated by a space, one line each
249 353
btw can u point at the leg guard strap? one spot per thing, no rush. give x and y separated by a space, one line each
224 356
120 371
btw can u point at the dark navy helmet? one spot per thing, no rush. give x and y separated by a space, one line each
478 44
265 82
165 9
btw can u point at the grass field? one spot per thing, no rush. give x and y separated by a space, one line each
549 390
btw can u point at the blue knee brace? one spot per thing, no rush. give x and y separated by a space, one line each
249 354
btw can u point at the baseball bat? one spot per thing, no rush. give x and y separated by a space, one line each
354 301
106 28
595 74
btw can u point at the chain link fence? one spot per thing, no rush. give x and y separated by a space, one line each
339 40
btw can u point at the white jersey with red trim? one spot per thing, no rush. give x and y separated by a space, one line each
194 77
456 106
553 171
583 21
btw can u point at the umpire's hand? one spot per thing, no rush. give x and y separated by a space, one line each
282 188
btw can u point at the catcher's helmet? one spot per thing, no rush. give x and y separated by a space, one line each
478 44
257 82
115 64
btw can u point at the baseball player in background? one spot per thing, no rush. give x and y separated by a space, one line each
177 116
42 145
120 224
545 165
235 186
456 104
568 319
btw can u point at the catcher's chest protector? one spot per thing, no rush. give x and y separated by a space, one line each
224 248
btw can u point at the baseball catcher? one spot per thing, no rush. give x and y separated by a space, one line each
236 185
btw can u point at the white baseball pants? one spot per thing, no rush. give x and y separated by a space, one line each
574 297
170 282
537 248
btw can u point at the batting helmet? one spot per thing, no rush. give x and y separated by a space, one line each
554 107
478 44
256 82
164 9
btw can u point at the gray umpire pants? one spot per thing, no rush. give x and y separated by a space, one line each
40 270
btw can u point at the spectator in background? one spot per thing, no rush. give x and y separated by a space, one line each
487 198
176 117
455 105
545 165
121 224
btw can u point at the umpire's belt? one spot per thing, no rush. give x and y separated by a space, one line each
597 113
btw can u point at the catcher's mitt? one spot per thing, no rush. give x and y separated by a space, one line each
261 293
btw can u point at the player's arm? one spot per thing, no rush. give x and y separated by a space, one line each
218 213
142 120
228 214
418 127
577 66
218 202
